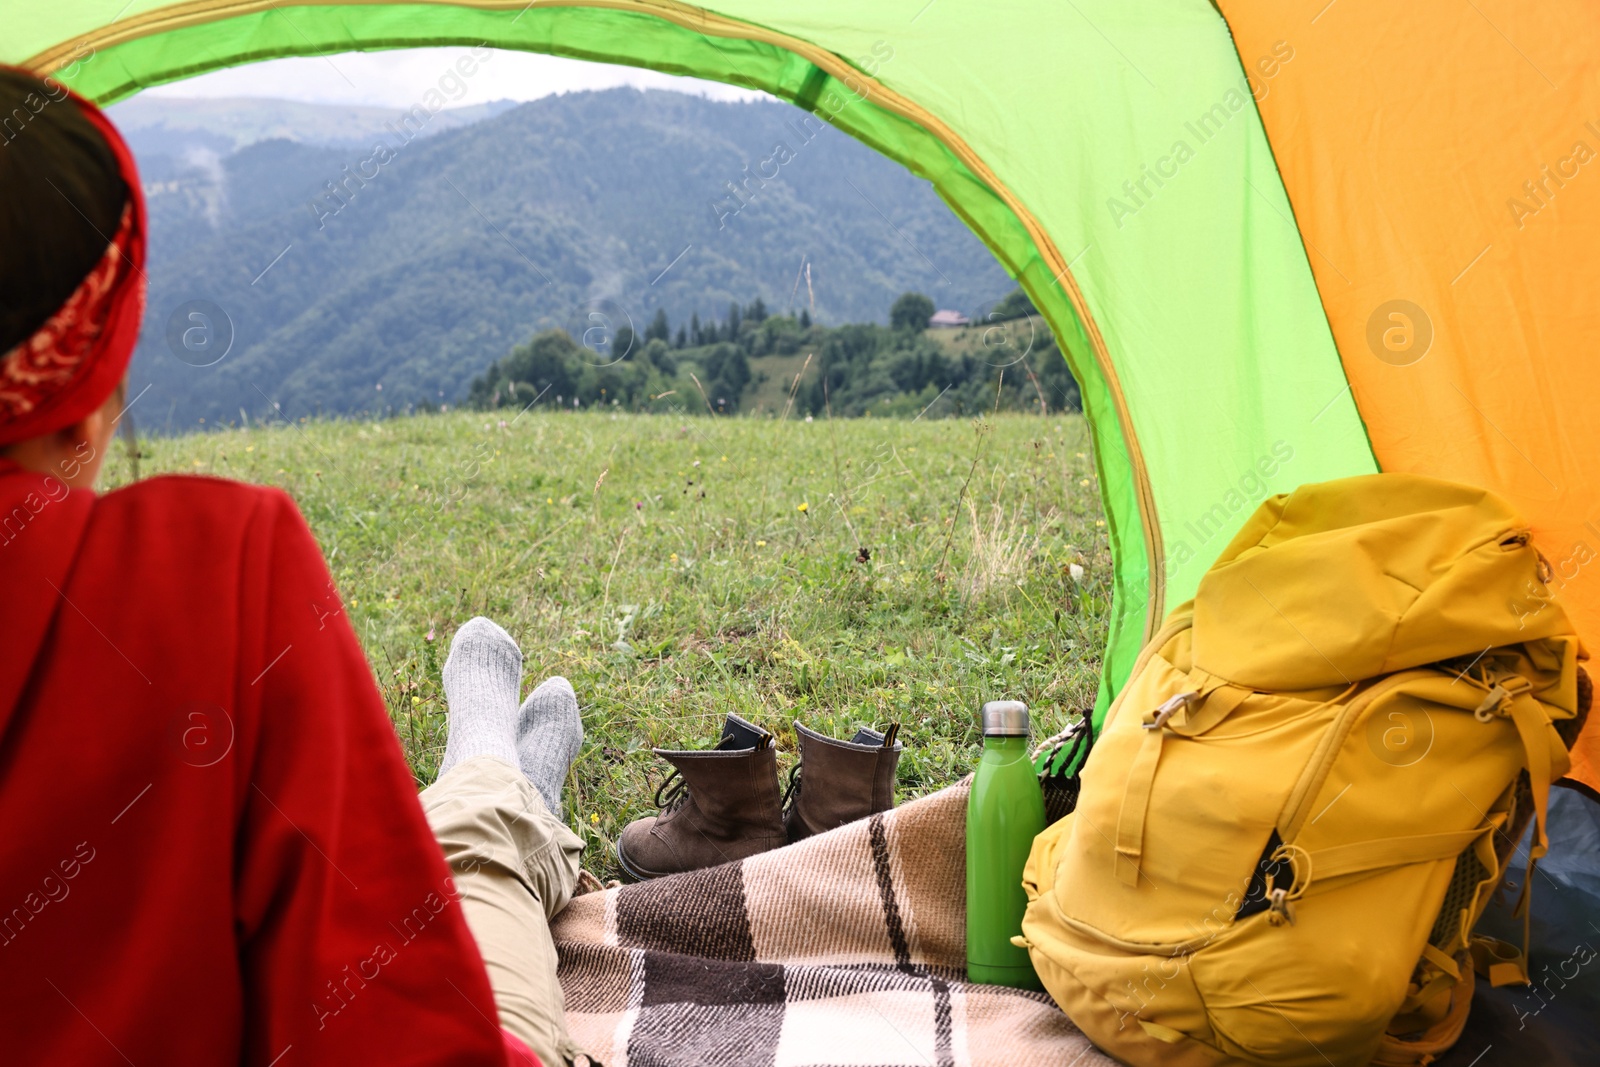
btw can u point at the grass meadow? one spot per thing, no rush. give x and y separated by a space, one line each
842 572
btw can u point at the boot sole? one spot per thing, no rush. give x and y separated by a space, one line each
638 874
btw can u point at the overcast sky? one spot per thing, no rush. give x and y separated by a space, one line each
400 78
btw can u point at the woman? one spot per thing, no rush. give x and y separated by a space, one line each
213 851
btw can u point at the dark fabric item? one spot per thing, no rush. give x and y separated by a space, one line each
738 732
1555 1022
838 782
213 850
726 807
705 906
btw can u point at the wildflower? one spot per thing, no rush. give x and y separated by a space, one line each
429 635
761 544
416 700
1076 571
724 459
1083 481
1099 522
502 424
594 818
249 448
802 506
697 463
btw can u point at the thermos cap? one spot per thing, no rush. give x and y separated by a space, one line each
1005 718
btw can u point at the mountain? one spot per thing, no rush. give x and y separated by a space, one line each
161 125
390 271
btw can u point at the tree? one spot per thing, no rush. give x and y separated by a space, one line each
694 330
805 319
733 322
623 345
658 328
658 354
911 311
682 339
757 310
1014 305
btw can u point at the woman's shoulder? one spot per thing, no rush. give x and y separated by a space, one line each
175 505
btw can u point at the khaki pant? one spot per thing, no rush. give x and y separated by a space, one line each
515 866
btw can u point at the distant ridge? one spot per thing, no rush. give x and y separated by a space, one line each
167 124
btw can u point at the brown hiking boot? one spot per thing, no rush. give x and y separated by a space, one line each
716 807
837 782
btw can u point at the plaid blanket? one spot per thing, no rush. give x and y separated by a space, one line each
846 949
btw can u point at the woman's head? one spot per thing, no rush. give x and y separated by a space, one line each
62 199
71 271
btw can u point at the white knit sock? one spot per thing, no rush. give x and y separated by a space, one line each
549 734
481 680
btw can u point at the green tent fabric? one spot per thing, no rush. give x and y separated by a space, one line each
1187 308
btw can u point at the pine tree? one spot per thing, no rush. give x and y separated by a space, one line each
683 338
805 319
757 311
733 321
658 328
694 329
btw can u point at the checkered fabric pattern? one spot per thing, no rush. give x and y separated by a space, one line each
846 949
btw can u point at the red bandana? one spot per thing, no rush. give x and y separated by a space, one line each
72 363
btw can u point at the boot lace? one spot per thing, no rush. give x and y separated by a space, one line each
792 793
673 791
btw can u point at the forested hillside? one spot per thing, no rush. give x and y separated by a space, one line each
754 361
342 279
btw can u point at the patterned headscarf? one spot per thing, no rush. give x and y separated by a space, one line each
71 364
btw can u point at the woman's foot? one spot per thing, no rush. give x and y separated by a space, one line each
549 734
481 680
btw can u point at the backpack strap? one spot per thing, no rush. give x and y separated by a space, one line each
1188 714
1386 852
1411 1049
1547 757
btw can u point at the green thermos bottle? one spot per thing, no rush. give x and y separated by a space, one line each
1005 812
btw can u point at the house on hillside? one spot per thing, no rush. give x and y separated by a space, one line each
946 319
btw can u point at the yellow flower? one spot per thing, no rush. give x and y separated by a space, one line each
1083 481
1099 522
549 500
803 507
673 557
594 818
761 544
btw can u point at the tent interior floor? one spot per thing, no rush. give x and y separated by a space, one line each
1553 1022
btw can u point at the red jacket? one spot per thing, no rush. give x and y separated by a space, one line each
211 850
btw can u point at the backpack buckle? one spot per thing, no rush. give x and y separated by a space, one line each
1280 900
1500 696
1155 720
1279 911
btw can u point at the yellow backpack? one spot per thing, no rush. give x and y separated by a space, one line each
1304 798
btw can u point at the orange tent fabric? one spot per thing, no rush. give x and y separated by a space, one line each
1443 163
